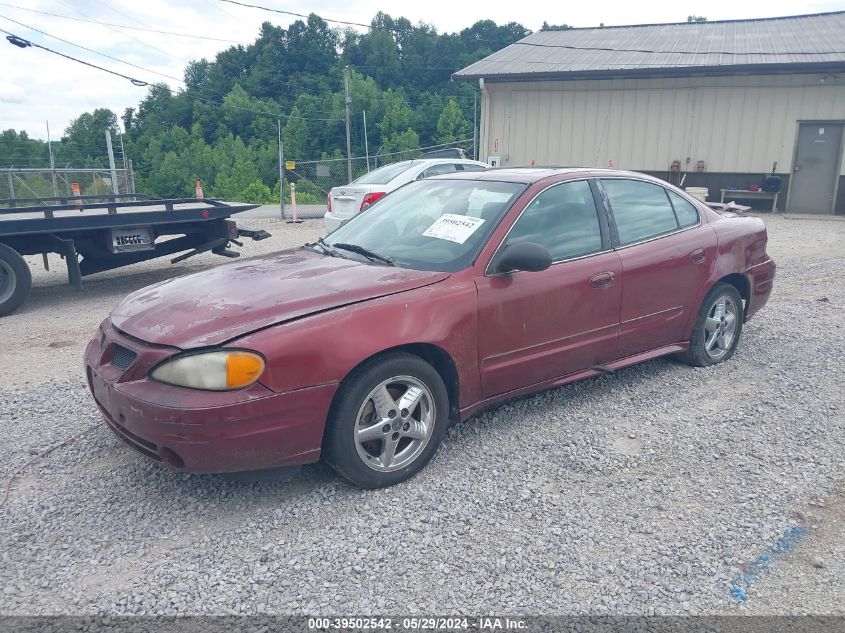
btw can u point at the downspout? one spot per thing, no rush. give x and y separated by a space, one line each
484 145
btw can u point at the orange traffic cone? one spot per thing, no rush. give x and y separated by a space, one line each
200 194
74 190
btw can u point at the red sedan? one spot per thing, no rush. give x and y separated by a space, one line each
446 296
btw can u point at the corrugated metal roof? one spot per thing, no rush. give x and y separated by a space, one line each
771 43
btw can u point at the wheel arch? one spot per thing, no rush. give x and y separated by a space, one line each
435 356
742 285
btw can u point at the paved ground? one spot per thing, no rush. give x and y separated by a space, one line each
660 489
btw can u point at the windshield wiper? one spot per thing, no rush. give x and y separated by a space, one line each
325 246
355 248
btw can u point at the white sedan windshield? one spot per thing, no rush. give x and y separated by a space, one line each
431 224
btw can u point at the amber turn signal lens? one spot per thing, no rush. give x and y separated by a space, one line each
242 369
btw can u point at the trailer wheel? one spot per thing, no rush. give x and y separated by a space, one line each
15 280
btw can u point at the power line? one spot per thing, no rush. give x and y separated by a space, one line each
142 83
665 52
171 77
216 64
90 50
22 43
131 37
298 15
187 94
123 26
264 112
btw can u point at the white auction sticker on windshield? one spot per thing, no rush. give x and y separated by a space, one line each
455 228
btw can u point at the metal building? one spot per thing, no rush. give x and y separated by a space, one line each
715 104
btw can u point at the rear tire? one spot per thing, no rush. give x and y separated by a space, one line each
15 280
717 328
387 421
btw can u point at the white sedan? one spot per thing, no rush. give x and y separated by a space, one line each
347 201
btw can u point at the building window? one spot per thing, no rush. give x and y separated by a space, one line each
641 210
686 213
563 219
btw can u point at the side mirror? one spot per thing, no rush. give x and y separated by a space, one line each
526 256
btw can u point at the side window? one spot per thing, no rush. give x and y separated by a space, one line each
641 210
563 219
687 214
470 167
440 168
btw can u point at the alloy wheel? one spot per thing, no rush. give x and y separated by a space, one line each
394 423
720 327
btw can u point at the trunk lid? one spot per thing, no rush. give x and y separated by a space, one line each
346 200
229 301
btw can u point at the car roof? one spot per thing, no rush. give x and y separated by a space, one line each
437 161
530 175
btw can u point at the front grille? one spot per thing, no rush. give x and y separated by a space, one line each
122 357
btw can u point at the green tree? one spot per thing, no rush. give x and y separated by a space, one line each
215 128
554 27
256 192
296 137
451 126
17 150
397 113
401 144
84 142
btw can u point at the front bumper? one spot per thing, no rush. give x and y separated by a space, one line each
201 431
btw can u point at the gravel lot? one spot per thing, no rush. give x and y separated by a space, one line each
660 489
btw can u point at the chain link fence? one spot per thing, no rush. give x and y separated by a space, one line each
315 178
34 183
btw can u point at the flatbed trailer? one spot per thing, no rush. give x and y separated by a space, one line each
97 233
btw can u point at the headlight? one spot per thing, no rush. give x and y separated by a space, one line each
216 371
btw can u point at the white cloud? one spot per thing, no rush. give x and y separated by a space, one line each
11 93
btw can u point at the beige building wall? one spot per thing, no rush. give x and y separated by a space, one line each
739 124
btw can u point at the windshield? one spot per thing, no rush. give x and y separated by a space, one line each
383 175
431 224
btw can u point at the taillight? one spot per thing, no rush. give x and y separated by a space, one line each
371 198
329 202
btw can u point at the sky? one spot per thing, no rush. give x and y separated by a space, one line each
37 86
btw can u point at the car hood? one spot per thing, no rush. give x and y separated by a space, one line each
229 301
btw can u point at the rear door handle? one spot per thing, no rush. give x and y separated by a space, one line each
602 280
698 255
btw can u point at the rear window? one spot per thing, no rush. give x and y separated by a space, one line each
641 210
439 168
383 175
470 167
686 212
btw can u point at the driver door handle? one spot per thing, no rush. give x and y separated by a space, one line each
602 280
698 255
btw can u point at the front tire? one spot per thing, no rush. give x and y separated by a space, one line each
717 328
387 421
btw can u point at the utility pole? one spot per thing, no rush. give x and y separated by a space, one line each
111 163
125 166
281 170
474 125
130 175
347 101
366 142
52 164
